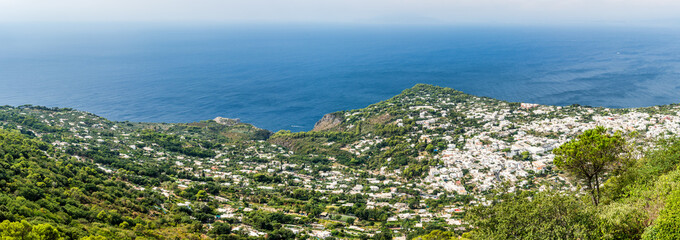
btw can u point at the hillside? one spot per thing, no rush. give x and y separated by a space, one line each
430 162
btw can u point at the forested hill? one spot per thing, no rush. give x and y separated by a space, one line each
67 174
63 197
429 163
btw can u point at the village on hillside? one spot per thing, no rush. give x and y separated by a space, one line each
401 167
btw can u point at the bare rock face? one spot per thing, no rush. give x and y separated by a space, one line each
227 121
328 121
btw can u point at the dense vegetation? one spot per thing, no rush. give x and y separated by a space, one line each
41 186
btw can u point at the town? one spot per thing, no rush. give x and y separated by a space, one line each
399 168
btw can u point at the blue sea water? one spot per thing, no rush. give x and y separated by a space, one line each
287 77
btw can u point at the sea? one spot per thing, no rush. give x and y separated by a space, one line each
288 76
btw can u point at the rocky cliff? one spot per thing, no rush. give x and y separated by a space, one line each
328 121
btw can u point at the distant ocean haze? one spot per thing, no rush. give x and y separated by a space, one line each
286 77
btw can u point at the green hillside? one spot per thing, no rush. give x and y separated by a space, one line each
429 163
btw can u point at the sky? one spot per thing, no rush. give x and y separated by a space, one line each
527 12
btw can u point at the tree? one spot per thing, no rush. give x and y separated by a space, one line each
46 232
281 234
201 195
385 234
668 223
590 156
439 235
219 229
533 215
24 230
430 148
414 203
93 238
15 230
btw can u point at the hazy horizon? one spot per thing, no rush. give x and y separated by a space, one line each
424 12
